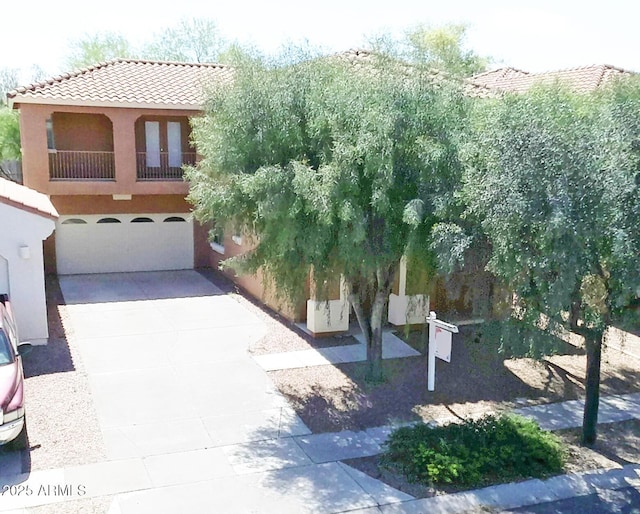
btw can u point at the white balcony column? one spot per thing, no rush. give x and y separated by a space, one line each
407 309
328 316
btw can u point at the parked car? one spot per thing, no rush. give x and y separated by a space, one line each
13 426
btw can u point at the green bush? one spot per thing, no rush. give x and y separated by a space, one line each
476 452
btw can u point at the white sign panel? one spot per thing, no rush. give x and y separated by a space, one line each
443 344
439 345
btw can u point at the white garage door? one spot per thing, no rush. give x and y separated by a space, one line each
123 242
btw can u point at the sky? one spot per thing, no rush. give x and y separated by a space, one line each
530 35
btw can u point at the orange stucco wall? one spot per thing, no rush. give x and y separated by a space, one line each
35 156
103 204
82 132
253 284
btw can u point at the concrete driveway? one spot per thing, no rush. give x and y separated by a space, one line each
169 369
190 422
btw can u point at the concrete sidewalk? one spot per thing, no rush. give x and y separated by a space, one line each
301 474
323 488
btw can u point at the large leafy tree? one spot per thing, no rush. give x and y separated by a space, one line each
8 81
9 125
190 40
443 48
336 165
9 120
9 134
99 47
552 180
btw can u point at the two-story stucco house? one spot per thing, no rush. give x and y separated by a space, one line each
107 144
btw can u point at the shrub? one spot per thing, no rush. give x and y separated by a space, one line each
476 452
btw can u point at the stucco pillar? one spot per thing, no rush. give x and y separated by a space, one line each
328 316
407 309
124 149
33 140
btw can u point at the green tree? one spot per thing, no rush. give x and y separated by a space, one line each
190 40
439 47
99 47
8 81
9 134
10 148
551 179
334 166
238 55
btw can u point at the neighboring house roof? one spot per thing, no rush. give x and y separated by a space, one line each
26 199
175 85
128 83
476 89
582 79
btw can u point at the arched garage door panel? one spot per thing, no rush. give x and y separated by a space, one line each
112 243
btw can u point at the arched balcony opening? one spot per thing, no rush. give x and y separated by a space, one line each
80 146
163 147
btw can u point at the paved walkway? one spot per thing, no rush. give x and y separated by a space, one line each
392 348
170 450
303 474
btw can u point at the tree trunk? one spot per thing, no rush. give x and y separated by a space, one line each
371 327
374 348
371 322
593 344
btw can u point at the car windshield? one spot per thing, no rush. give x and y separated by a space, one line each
6 351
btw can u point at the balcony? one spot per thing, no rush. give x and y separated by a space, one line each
165 169
81 165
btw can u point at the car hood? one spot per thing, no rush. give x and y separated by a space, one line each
9 381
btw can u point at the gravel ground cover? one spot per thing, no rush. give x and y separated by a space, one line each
332 398
85 506
478 379
62 424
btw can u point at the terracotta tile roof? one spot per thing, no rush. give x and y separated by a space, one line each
582 79
128 83
360 57
27 199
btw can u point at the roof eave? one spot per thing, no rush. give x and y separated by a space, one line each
28 208
18 99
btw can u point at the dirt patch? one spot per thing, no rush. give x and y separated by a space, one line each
618 445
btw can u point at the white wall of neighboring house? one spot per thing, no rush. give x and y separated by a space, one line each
22 269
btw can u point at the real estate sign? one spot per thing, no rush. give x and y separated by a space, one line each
439 345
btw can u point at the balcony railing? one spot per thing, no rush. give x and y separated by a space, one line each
164 171
75 165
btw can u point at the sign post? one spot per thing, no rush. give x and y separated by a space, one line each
439 346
